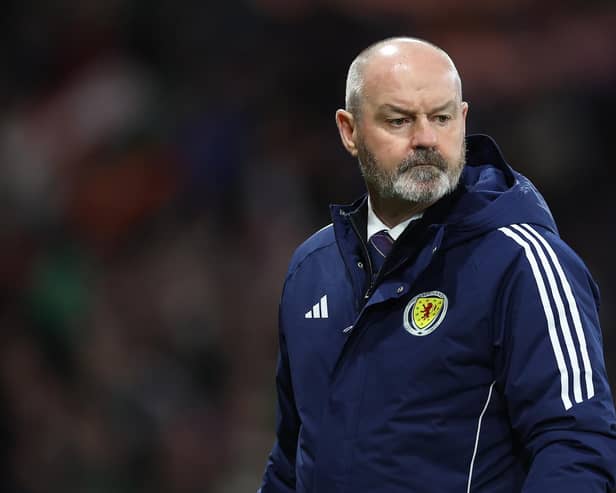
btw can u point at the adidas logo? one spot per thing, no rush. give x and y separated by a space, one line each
319 310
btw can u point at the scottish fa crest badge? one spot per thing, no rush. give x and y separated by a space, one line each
424 313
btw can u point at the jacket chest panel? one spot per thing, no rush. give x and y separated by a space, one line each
315 337
423 349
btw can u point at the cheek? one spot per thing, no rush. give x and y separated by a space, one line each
391 148
393 155
451 143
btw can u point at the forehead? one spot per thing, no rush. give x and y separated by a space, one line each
409 80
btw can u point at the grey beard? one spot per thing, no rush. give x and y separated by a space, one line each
424 177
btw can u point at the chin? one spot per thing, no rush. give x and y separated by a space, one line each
423 192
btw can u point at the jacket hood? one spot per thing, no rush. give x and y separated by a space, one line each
491 195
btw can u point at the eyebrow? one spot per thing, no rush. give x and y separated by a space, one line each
405 111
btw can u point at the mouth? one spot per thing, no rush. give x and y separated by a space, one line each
410 167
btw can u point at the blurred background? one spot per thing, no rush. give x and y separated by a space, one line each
159 162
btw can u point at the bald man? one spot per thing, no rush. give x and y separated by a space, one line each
439 335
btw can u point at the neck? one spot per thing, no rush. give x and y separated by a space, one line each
393 211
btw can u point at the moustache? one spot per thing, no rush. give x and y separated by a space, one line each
423 157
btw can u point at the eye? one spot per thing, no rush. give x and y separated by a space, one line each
397 122
442 118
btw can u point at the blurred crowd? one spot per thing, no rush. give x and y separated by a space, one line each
159 162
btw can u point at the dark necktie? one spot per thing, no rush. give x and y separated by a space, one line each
379 246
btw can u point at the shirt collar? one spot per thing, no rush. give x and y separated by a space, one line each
375 224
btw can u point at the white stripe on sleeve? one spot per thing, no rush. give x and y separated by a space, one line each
560 308
549 315
575 315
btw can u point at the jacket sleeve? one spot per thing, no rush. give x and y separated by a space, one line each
279 476
551 370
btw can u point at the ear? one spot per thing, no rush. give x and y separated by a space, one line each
464 113
347 129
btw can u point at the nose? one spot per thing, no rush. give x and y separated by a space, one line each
423 136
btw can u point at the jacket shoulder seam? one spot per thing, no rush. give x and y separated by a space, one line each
300 263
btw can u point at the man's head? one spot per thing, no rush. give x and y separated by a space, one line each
405 121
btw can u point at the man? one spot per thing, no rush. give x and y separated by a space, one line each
462 350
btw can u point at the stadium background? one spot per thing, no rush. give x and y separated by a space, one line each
160 160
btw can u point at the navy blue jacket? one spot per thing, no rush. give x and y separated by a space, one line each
472 363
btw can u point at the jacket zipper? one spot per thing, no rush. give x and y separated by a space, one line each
368 293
